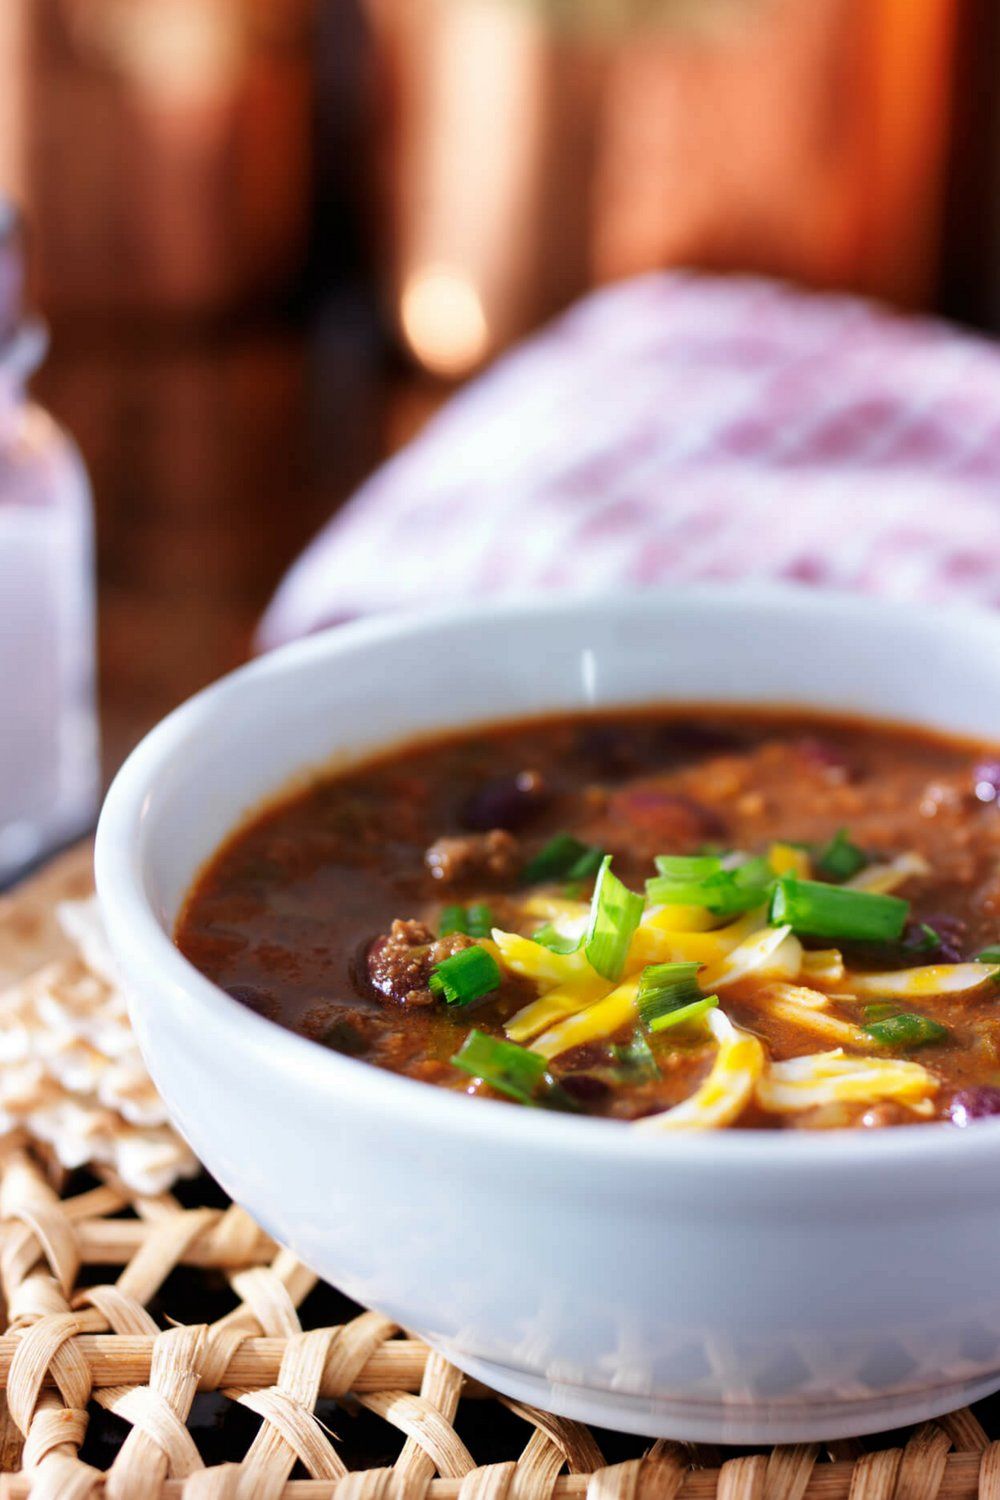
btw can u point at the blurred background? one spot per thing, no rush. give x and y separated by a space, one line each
270 236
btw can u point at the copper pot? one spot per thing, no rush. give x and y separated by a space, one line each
525 162
163 148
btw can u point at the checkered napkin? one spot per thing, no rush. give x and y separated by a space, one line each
681 427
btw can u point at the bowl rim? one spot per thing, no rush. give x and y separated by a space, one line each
136 931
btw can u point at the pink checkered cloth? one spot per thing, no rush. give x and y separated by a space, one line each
682 427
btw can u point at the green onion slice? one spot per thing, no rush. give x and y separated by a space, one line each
452 919
928 940
556 942
880 1011
633 1061
688 866
906 1030
703 880
686 1013
512 1070
666 987
563 858
990 955
839 859
832 911
475 920
615 913
465 976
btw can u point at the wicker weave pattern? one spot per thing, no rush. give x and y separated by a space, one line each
68 1345
84 1270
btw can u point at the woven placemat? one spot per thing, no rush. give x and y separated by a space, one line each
164 1346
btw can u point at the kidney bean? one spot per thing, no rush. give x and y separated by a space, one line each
585 1087
507 802
951 932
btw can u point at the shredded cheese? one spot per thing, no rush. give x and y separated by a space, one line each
807 1008
597 1021
564 915
770 950
726 1091
823 966
832 1077
679 919
533 961
553 1006
785 859
883 879
931 979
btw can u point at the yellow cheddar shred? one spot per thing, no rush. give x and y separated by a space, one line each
533 961
785 859
597 1021
769 950
917 984
807 1008
553 1006
556 909
832 1077
726 1091
674 919
883 879
823 966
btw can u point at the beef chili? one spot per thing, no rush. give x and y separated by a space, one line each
685 919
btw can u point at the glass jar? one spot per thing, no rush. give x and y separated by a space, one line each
48 740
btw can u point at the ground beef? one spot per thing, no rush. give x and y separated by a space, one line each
482 857
397 965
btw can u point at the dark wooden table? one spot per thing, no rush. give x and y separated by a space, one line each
214 456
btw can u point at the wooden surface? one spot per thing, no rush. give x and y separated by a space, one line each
214 457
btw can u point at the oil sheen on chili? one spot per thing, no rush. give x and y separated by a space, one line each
685 920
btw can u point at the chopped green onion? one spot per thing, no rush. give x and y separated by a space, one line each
587 865
614 915
880 1011
563 858
990 955
622 1066
833 911
633 1061
704 881
475 920
480 919
686 1013
926 941
753 874
663 890
466 976
906 1030
687 866
839 859
556 942
666 987
513 1070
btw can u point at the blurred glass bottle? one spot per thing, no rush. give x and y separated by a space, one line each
48 742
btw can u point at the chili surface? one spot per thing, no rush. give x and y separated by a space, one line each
328 912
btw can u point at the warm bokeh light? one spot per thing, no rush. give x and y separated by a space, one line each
443 320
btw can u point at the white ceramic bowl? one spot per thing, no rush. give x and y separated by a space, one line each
733 1286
